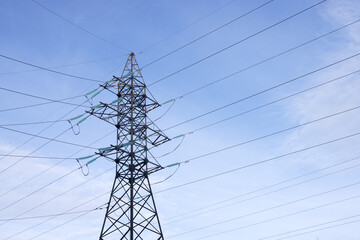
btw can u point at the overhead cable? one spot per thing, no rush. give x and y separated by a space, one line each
263 194
40 157
79 27
315 230
46 138
284 216
38 104
268 59
23 158
50 215
60 225
180 216
50 140
208 33
187 26
236 43
271 88
64 212
56 196
48 69
39 189
64 65
42 98
252 164
272 208
296 126
30 123
270 103
51 167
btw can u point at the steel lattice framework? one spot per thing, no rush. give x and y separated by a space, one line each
131 213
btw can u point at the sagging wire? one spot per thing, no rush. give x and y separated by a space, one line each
86 166
77 124
101 207
172 104
95 92
178 166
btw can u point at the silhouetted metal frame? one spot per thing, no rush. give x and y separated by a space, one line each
131 213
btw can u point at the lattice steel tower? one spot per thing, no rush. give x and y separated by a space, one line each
131 213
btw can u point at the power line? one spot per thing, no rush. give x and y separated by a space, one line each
31 123
43 98
272 102
280 217
50 215
39 189
236 145
64 65
187 26
267 187
46 138
38 134
57 226
230 74
267 90
69 210
17 162
20 160
35 136
252 164
263 194
23 107
47 169
271 208
38 104
316 225
268 59
58 195
48 69
236 43
79 27
41 157
208 33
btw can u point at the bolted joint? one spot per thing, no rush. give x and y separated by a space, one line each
132 168
117 160
131 180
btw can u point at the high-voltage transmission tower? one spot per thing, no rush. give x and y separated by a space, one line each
131 212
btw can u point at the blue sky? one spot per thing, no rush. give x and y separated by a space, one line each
34 35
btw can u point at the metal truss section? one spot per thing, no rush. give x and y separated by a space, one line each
131 213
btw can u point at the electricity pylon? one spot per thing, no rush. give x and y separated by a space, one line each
131 213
